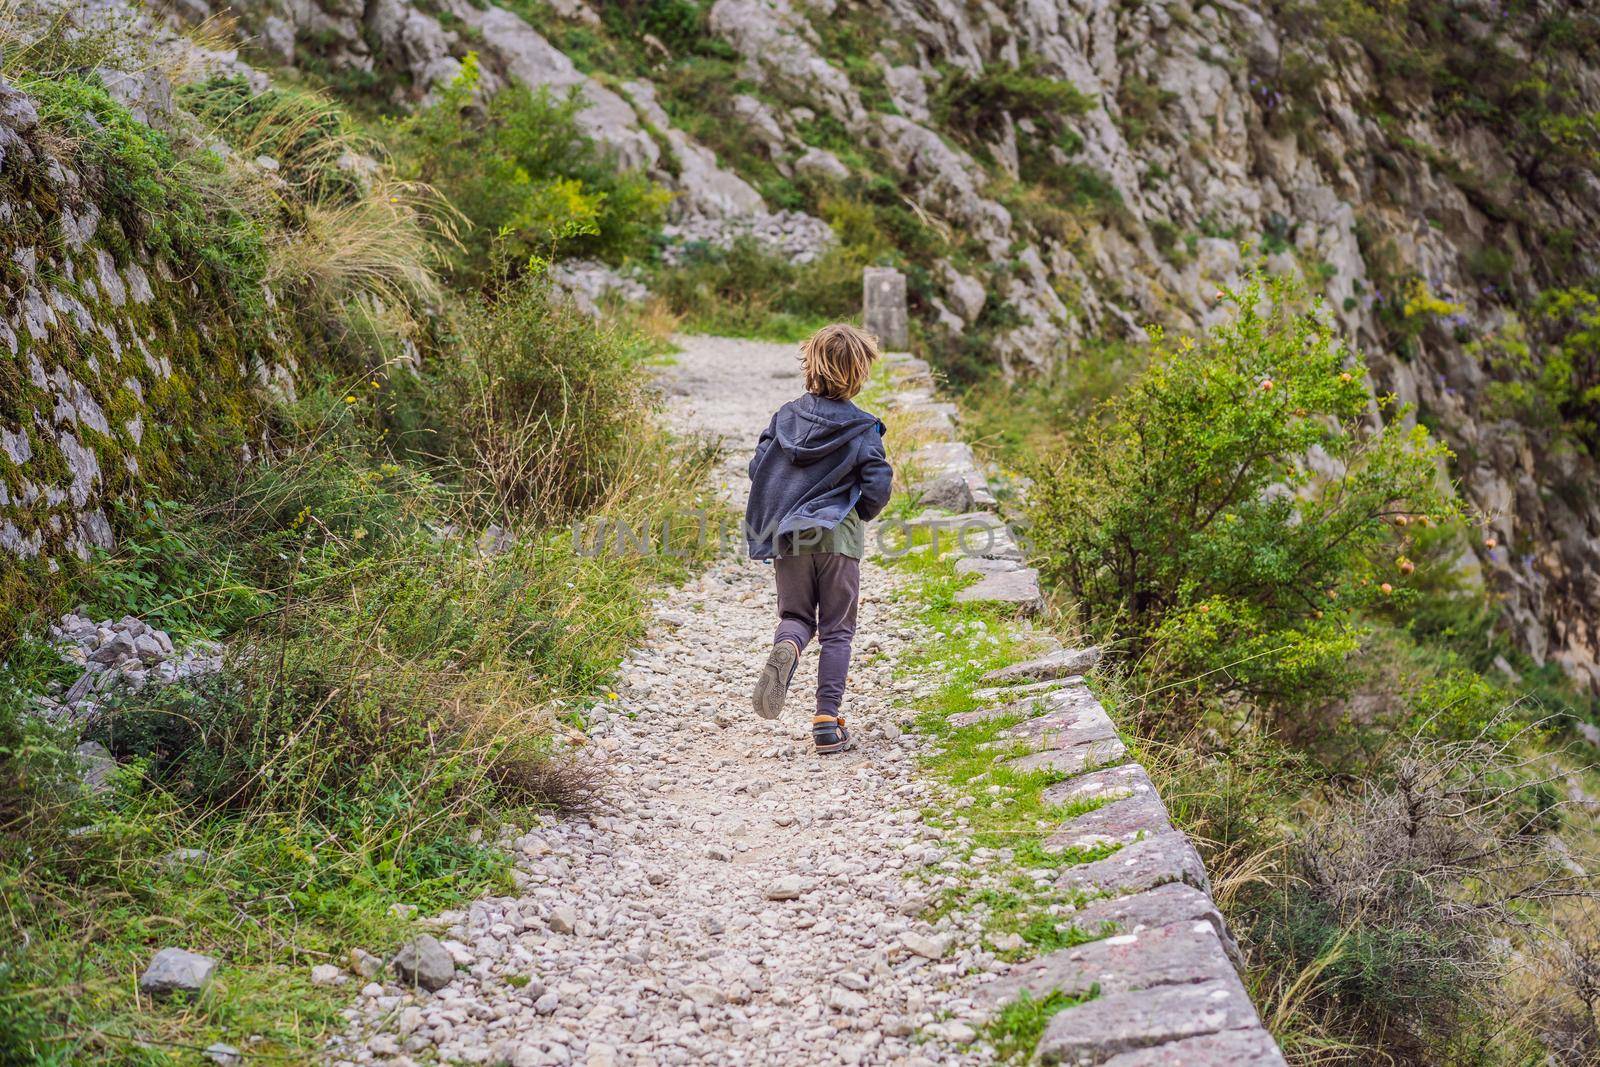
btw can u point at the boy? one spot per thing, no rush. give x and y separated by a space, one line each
818 476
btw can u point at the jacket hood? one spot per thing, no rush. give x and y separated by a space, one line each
812 428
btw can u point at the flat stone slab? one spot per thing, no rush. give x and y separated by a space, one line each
1231 1048
1057 664
1075 718
1143 865
934 421
973 533
906 362
983 565
1120 822
1072 760
1076 735
1124 780
1006 692
1037 705
1174 902
1181 953
945 455
1018 589
1108 1026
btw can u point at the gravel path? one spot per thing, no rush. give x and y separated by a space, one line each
742 900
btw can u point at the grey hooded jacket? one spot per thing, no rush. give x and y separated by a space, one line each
816 460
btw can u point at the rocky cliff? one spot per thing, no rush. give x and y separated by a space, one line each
1056 175
1430 168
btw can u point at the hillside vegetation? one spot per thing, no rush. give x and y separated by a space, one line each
1279 325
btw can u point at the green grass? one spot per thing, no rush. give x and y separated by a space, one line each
1016 1030
1000 809
273 900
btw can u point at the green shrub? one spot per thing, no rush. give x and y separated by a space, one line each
172 571
1189 521
1547 368
972 105
537 410
525 175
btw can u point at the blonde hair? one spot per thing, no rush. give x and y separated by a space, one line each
837 360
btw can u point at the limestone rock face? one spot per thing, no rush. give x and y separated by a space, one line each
1207 178
524 56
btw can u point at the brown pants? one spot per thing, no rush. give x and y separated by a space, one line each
817 596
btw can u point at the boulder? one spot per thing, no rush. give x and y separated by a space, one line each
821 163
95 766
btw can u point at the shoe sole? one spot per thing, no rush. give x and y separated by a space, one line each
838 746
772 688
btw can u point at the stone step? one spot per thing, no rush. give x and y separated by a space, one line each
1028 706
1154 861
1095 1032
1153 908
1180 953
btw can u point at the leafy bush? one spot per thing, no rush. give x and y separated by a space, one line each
1548 369
524 174
1228 515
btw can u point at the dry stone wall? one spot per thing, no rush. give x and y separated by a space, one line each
118 368
1163 981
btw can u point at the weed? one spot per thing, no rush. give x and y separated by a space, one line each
1016 1028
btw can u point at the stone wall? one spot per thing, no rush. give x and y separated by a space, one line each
119 369
1165 968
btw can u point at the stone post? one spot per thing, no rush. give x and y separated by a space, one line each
883 299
